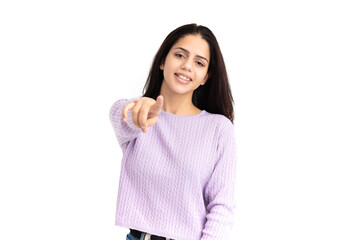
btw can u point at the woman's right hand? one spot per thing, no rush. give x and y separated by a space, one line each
145 111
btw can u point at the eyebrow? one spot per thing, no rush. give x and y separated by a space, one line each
187 51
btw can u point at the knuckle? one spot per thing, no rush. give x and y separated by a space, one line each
143 111
135 111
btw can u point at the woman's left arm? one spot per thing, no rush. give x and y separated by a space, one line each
219 191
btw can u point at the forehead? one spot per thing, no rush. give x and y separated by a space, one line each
195 44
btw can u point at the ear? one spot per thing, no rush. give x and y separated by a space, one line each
162 64
205 79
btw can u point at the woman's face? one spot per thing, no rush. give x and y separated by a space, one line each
186 65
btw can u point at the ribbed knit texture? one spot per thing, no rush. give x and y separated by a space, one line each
177 180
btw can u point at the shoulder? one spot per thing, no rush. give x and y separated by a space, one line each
221 127
220 121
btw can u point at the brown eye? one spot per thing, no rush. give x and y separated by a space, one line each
200 64
179 55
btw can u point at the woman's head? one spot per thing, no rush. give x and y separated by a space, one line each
214 95
185 67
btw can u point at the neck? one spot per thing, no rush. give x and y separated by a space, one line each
179 104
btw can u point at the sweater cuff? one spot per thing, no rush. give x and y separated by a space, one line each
130 123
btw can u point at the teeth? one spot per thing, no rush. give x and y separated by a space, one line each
182 77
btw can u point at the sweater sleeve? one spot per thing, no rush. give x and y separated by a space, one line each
124 131
219 191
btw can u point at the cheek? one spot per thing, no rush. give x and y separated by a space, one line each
168 66
201 74
167 73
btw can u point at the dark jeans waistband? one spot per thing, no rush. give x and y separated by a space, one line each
137 234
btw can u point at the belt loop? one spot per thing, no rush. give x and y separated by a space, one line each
147 236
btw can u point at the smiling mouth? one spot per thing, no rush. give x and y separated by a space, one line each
183 78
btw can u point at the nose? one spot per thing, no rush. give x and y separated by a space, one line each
187 65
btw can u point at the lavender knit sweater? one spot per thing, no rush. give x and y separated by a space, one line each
177 180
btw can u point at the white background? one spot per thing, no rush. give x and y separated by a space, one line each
294 72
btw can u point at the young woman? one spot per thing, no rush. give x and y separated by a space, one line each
179 153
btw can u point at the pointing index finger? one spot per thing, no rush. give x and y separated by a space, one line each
159 103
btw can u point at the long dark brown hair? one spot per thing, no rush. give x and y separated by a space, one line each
215 95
